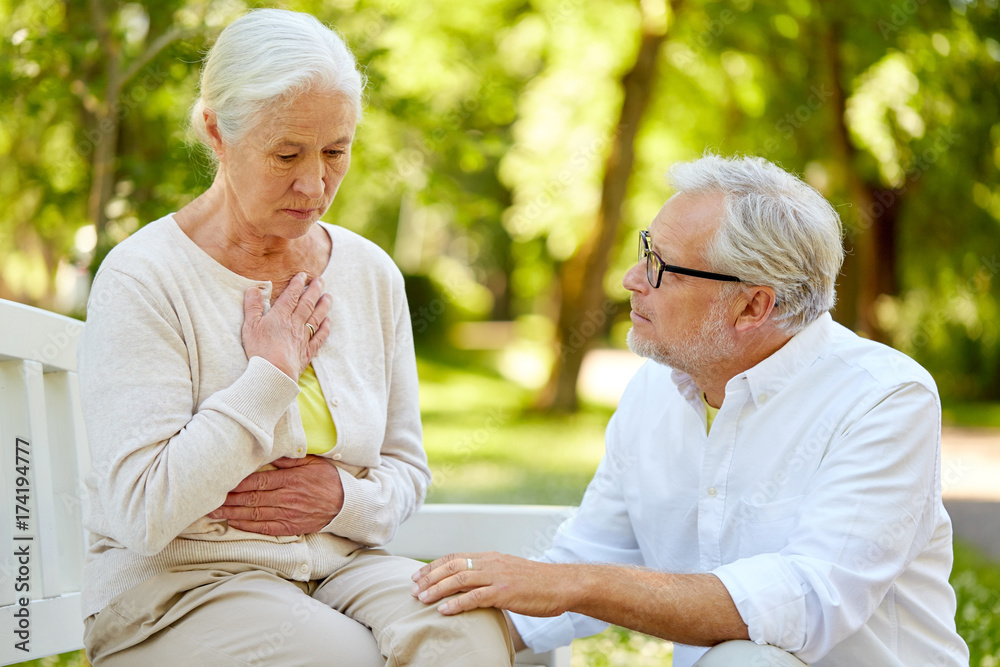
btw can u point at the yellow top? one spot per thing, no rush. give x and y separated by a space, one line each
321 434
710 413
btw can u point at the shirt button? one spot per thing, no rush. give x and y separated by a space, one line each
336 457
298 451
304 569
712 492
762 399
334 402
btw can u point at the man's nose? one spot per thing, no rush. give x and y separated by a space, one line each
635 278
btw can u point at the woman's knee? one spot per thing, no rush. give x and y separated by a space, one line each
478 637
375 590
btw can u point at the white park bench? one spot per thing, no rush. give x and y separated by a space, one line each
44 457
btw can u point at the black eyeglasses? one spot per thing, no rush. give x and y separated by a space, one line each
655 266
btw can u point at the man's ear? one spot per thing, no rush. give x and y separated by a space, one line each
214 137
754 306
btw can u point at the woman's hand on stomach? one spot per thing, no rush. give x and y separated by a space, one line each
301 496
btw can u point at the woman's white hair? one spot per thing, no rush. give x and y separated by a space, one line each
264 58
776 231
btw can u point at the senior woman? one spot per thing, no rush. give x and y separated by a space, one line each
250 395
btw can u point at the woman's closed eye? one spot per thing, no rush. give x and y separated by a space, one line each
330 153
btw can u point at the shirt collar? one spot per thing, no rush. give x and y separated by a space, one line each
772 374
686 386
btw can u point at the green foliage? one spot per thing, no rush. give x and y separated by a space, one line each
977 584
478 165
73 659
972 414
947 312
55 62
618 647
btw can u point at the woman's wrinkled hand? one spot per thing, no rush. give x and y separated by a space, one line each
281 336
302 496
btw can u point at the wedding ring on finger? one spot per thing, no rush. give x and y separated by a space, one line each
468 563
312 330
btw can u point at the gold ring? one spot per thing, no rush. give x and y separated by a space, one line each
312 330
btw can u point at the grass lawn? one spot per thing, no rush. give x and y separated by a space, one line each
977 582
484 447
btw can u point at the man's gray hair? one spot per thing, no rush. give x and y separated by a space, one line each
262 59
776 231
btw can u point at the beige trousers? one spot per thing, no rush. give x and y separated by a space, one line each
742 653
233 614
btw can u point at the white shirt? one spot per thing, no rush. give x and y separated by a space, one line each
816 499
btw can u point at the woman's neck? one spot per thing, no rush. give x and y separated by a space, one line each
241 249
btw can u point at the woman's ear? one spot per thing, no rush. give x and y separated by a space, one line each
214 137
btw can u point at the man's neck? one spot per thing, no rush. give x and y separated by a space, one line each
712 379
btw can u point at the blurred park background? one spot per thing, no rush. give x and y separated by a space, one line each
512 148
510 151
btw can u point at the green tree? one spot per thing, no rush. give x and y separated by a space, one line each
93 96
582 305
872 104
494 159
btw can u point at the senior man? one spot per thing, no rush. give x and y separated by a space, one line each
771 485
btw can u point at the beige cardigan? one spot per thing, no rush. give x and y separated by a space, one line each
176 416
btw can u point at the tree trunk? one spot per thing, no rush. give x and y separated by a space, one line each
874 233
584 310
107 119
104 133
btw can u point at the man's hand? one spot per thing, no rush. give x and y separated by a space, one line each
302 496
691 609
496 580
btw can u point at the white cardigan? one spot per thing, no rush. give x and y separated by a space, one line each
176 416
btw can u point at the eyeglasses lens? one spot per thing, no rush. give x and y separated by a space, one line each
652 263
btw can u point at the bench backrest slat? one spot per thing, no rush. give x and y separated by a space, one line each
67 439
39 404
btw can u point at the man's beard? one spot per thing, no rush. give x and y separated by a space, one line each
696 351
